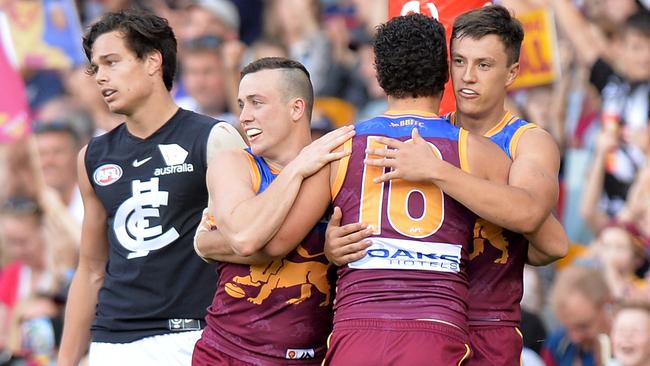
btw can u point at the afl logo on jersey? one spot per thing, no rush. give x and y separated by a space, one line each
107 174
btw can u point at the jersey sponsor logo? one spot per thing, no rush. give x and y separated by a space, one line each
300 353
485 231
107 174
185 167
132 220
283 273
407 122
399 254
174 157
137 163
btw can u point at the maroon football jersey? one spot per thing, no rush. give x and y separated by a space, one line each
415 268
497 257
278 313
495 271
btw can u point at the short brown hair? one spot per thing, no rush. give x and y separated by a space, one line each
297 77
491 19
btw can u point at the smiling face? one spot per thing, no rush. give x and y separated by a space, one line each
631 337
124 81
480 74
266 115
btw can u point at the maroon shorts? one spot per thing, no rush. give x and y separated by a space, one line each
204 355
495 346
396 342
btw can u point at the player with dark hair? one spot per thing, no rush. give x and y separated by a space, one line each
273 304
408 293
484 62
139 290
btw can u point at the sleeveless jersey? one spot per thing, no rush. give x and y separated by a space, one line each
153 191
415 268
278 313
498 255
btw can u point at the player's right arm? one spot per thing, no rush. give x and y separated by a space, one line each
89 277
485 160
247 220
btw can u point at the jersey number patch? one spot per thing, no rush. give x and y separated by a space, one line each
400 193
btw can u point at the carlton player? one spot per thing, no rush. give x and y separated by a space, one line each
408 294
485 49
139 290
278 311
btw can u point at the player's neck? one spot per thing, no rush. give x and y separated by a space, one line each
480 123
151 115
423 104
288 149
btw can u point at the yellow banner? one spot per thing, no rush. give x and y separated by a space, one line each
539 53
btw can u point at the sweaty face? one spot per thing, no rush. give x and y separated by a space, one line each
203 76
265 114
631 337
480 74
124 80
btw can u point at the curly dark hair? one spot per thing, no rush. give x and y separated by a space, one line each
411 56
491 19
144 33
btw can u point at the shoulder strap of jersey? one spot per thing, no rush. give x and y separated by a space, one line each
341 170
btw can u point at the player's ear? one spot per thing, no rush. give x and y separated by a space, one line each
298 106
153 62
513 71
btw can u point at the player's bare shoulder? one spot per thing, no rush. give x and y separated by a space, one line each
223 136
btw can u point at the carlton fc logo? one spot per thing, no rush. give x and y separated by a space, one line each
134 220
107 174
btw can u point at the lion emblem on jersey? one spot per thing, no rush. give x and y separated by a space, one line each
283 273
487 232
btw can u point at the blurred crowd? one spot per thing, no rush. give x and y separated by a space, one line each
592 306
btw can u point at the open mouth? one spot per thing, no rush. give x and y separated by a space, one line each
468 92
107 93
253 132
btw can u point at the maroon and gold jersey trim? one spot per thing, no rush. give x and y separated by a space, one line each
255 173
514 142
507 118
468 351
342 170
462 150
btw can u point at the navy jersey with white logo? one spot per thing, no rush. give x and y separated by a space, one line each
153 191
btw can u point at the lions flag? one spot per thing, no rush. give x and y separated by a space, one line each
445 11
